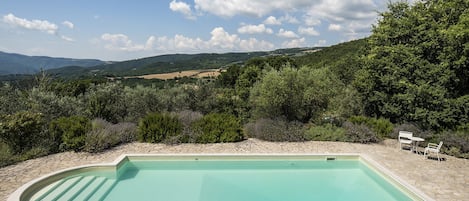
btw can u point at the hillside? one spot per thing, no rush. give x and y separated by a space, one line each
170 63
11 63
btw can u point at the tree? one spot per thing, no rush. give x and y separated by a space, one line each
229 77
11 100
296 94
141 101
106 101
417 63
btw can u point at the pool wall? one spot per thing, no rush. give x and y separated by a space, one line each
29 189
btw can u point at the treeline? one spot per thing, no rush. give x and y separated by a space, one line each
410 74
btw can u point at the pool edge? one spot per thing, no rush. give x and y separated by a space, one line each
394 179
27 190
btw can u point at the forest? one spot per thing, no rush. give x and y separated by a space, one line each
411 73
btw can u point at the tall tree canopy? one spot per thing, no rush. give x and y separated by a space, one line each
416 68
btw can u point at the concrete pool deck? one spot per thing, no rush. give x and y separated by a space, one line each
446 180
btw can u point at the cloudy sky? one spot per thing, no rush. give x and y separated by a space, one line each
121 29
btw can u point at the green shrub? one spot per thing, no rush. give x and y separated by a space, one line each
6 155
216 127
360 133
105 135
382 127
71 131
157 127
326 132
455 143
34 153
21 131
276 130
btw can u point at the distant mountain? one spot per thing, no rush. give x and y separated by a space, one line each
11 63
170 63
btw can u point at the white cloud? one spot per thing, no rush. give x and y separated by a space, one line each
320 43
290 19
271 20
254 29
39 25
257 8
68 24
334 27
67 38
300 42
184 43
150 42
311 20
220 41
123 43
308 31
183 8
287 34
254 44
340 11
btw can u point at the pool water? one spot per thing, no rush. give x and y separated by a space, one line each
231 180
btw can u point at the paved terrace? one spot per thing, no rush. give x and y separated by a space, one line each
446 180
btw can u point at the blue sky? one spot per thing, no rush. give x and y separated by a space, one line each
121 30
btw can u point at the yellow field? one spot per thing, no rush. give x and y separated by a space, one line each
189 73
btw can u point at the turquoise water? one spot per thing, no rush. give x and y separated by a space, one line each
245 180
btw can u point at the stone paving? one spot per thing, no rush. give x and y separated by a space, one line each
443 181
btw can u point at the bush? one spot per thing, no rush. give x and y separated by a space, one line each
326 132
382 127
21 130
187 118
411 127
157 127
105 135
359 133
216 127
455 143
70 132
276 130
6 155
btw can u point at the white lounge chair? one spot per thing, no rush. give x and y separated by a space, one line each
432 147
405 138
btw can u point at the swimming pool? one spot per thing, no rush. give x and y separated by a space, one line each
223 177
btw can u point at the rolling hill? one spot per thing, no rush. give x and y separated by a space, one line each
11 63
169 63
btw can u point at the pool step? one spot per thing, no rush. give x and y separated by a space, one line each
90 189
61 187
101 192
77 188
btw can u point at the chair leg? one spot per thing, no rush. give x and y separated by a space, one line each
438 155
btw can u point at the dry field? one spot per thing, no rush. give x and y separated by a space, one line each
189 73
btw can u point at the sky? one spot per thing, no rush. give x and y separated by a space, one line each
117 30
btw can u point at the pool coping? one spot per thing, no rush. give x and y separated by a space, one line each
30 188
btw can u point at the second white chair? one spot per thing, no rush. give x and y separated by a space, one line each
432 147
